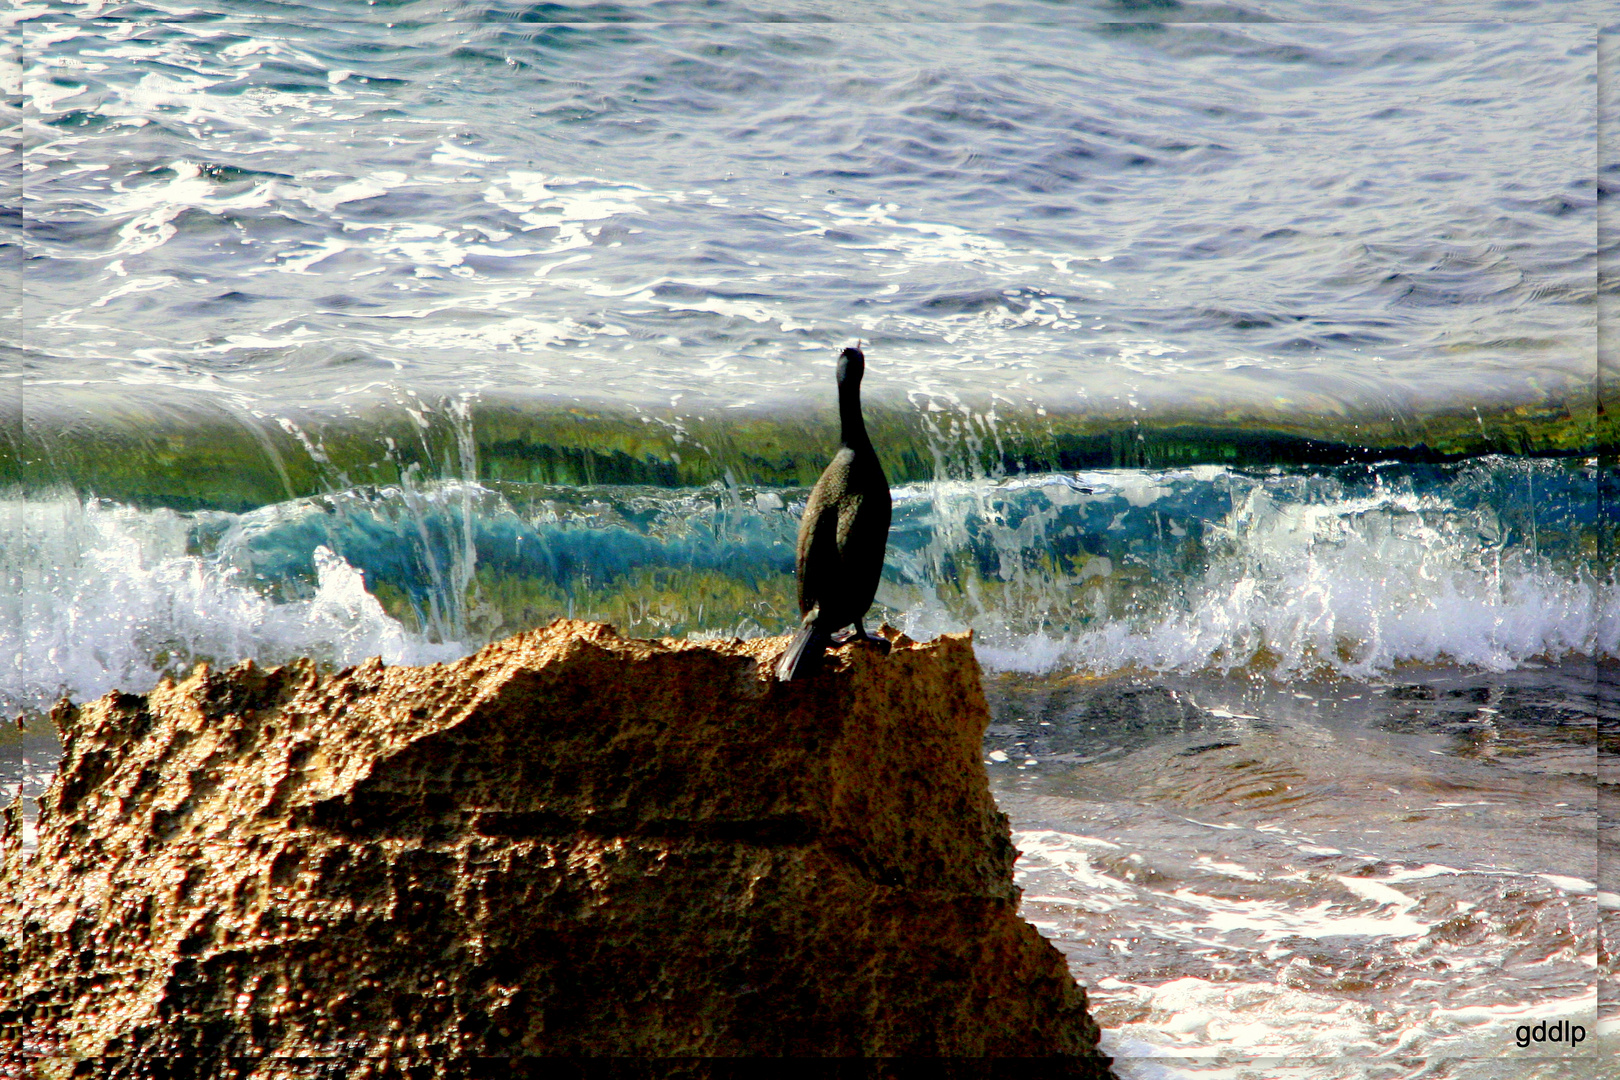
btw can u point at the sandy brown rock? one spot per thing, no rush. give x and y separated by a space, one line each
567 844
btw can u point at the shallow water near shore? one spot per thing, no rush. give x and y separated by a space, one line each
1335 879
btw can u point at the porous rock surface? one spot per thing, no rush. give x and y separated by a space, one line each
567 844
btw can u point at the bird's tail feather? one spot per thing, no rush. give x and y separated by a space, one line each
803 656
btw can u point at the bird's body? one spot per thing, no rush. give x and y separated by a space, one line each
842 535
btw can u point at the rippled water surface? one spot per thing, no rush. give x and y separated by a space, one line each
1381 876
280 205
1211 349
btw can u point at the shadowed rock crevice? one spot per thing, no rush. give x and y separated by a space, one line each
566 845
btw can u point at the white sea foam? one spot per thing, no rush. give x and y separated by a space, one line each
1227 869
905 243
1063 866
1274 921
150 209
1569 884
1067 854
567 204
101 597
1358 584
1193 1017
1241 1029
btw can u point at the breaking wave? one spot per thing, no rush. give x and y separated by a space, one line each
1493 563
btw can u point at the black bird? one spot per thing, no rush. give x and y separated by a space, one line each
841 536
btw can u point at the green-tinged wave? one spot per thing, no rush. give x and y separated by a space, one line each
149 452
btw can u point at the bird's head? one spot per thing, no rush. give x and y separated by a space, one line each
851 366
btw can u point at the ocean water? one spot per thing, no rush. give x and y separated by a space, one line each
1237 368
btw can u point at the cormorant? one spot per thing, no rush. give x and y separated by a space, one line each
841 536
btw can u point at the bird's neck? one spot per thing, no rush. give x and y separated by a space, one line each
852 427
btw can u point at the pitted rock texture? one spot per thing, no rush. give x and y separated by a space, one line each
567 844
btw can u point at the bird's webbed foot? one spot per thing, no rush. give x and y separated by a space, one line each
858 633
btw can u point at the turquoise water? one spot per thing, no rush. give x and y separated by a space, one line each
1208 349
1356 571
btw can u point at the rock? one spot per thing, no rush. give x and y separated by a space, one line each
567 844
